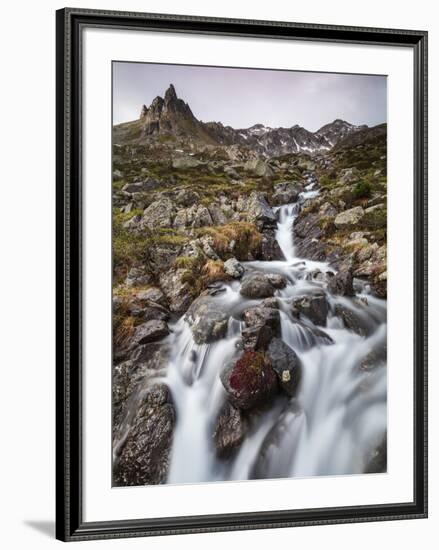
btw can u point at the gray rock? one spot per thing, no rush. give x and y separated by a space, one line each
349 217
250 381
286 365
207 319
181 219
162 257
144 457
277 280
314 307
185 162
230 429
139 305
348 175
375 208
153 357
262 315
159 214
138 276
176 290
150 311
149 332
259 168
217 214
152 294
141 186
257 285
341 283
233 268
353 320
376 358
201 217
258 211
256 338
187 197
270 249
262 324
367 252
132 223
286 192
195 216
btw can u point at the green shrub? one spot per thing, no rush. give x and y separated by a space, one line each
326 182
362 190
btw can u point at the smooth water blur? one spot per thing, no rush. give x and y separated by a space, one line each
339 413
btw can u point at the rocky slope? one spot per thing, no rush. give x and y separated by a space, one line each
191 202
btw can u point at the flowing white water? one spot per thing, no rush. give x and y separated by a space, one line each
336 419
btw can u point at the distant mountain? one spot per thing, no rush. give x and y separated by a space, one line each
171 116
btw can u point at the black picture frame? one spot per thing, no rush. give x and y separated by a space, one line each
69 518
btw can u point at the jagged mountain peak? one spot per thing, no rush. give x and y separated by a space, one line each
170 94
170 114
335 124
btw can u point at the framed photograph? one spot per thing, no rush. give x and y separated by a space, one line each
241 274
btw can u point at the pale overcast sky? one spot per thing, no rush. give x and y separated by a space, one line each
243 97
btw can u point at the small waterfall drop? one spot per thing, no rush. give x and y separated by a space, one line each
327 429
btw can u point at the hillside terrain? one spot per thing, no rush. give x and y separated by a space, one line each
193 203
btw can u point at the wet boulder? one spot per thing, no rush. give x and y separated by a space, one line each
286 365
256 338
207 319
277 280
258 285
280 444
269 247
262 324
309 235
250 381
353 320
144 456
286 192
341 283
230 429
233 268
145 362
314 307
262 315
376 357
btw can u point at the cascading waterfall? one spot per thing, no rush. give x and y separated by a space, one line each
339 413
